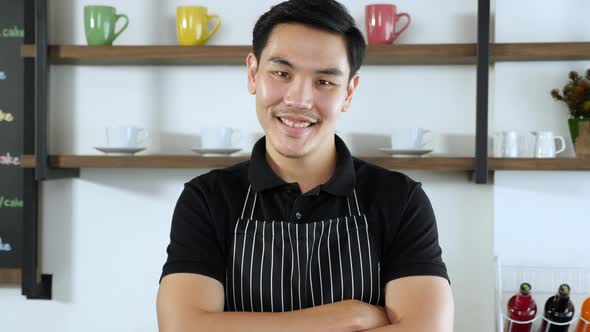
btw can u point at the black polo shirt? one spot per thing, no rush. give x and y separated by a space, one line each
276 249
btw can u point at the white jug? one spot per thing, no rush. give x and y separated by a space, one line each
545 145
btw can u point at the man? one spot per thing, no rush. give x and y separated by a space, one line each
304 237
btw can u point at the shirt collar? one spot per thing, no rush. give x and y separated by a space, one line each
262 177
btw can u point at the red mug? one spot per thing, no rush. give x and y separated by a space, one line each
381 21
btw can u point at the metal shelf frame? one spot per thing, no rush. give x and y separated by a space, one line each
35 284
482 96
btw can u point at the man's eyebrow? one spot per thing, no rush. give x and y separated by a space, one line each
281 61
331 71
327 71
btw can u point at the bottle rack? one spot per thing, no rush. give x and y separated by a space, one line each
545 280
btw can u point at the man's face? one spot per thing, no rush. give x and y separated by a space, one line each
301 86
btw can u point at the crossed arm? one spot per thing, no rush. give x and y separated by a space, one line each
191 303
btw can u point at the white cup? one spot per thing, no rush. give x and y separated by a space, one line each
527 145
545 146
498 144
511 144
220 138
409 138
125 137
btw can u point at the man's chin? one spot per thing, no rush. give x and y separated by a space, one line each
289 150
292 155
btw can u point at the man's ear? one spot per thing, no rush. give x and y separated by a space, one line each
352 85
252 65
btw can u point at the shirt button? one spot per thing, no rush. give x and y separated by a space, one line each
298 215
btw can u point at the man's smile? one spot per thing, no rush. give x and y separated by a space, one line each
294 128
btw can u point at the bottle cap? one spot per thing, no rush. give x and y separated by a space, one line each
525 289
564 290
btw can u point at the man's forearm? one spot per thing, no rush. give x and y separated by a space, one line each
401 327
309 320
418 304
428 323
338 317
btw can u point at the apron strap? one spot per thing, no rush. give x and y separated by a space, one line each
246 203
358 210
253 205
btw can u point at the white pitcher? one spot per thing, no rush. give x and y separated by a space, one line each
545 144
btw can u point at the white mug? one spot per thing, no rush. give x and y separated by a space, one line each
498 149
527 143
511 144
409 138
125 137
220 138
545 146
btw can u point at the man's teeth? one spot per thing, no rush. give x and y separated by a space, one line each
296 125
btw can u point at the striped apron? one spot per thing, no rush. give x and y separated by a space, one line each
278 266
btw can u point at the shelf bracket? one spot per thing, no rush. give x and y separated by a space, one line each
472 178
483 72
40 77
34 284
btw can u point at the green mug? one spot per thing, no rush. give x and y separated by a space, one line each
99 22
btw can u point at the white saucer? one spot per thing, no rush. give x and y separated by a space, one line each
408 152
215 152
120 151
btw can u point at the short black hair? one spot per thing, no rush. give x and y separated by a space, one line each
326 15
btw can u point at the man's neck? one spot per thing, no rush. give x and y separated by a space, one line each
309 171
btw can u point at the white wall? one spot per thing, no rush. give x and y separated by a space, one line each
541 220
106 232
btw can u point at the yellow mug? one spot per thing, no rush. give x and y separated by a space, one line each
192 23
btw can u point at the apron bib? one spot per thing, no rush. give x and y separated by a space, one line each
278 266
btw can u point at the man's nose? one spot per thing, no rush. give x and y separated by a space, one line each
300 94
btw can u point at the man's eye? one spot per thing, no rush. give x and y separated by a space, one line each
324 82
282 74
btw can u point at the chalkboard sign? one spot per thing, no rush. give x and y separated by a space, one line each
11 132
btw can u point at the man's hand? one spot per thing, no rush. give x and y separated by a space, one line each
370 316
366 316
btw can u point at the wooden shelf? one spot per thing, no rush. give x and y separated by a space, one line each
525 164
142 55
236 55
421 163
540 51
142 161
10 276
424 163
421 54
403 54
171 161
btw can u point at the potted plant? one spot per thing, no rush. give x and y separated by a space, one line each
576 95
